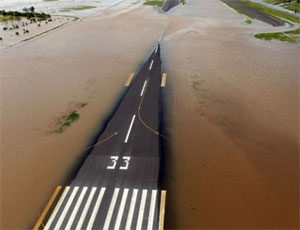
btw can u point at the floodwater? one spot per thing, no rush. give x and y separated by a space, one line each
232 109
233 106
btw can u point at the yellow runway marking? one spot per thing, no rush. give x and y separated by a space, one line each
48 206
162 210
164 80
127 83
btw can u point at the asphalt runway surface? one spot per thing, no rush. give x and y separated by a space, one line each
169 4
255 13
117 185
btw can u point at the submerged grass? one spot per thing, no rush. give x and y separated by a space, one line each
67 121
77 8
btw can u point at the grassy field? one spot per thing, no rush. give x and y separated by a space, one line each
291 36
154 3
293 5
9 18
77 8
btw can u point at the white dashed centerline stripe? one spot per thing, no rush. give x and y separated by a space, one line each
66 208
75 210
121 209
131 209
152 210
111 209
129 130
86 208
151 65
57 208
142 92
96 208
142 209
156 49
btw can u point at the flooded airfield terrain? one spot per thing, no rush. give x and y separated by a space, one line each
231 104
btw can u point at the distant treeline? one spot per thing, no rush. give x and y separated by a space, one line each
28 13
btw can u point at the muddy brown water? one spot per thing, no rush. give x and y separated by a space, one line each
231 108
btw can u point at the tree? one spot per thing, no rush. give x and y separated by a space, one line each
32 9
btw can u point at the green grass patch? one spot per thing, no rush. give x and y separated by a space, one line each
293 5
248 21
154 3
291 36
77 8
183 1
272 12
68 121
9 18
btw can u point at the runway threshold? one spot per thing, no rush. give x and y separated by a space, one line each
117 186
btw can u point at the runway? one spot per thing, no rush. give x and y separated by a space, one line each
117 185
255 13
169 4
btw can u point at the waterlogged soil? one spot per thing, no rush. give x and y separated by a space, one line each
231 108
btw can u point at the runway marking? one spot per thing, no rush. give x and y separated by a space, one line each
86 208
156 49
66 208
111 209
48 206
75 210
142 208
152 210
114 160
121 209
131 209
127 83
57 208
96 208
129 130
162 210
151 64
126 160
142 92
164 80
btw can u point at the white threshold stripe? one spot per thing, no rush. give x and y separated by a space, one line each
66 208
96 208
121 209
86 208
49 222
111 209
152 210
75 210
156 49
142 209
142 92
129 130
131 209
151 65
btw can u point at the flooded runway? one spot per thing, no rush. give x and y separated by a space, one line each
232 109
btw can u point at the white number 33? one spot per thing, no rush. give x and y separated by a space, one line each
114 160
